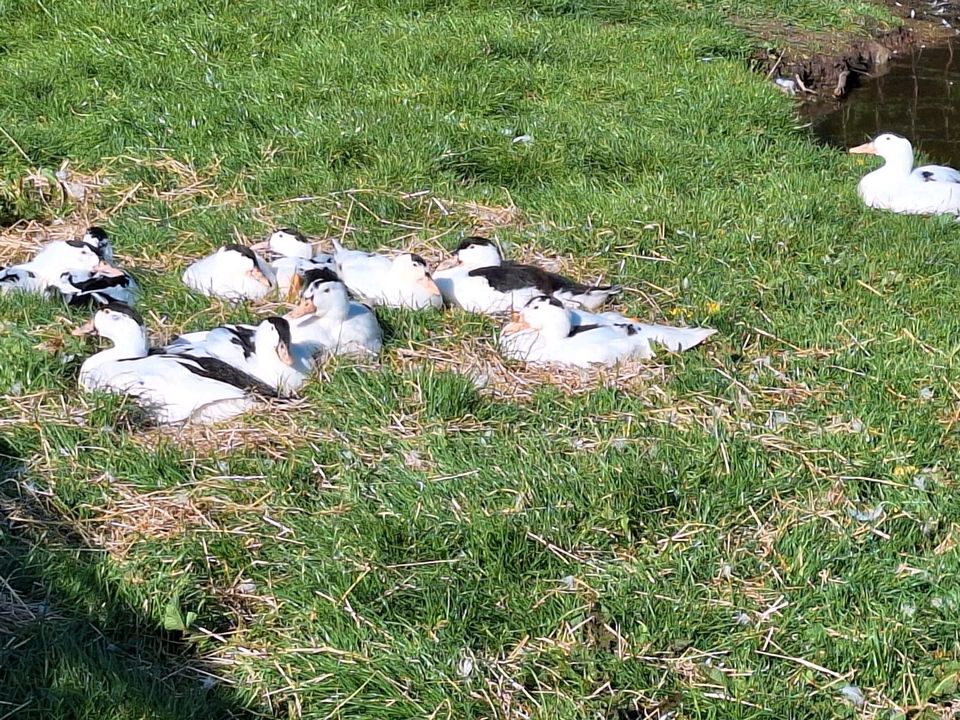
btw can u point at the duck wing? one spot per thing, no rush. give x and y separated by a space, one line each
936 173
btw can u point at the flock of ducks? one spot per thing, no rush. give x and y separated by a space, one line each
215 374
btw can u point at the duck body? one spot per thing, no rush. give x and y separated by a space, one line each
47 267
482 282
901 188
550 333
400 281
173 388
326 321
262 351
234 272
88 288
16 278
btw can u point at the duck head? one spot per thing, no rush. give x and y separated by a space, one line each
272 338
474 252
411 269
323 296
544 314
287 242
120 324
240 259
96 238
79 255
894 149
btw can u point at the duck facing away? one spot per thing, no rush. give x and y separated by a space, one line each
400 281
262 351
234 272
173 388
548 332
481 281
899 187
327 321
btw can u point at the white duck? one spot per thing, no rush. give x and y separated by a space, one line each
172 387
292 255
901 188
400 281
547 332
327 321
47 266
263 351
233 272
482 282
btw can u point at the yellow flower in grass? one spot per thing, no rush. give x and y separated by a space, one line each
712 307
902 470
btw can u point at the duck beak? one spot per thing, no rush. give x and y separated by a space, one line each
427 283
283 352
296 283
516 326
88 328
260 277
450 262
105 268
865 149
261 245
304 307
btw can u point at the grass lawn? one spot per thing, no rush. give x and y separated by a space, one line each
748 530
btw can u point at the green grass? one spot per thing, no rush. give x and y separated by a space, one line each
587 556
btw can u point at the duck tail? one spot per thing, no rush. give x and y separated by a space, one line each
676 339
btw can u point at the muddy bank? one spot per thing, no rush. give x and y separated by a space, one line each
817 65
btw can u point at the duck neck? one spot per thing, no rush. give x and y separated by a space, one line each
897 165
125 347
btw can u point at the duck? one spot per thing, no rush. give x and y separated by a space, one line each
46 268
400 281
291 255
233 272
79 288
549 332
262 351
480 281
899 187
327 321
173 388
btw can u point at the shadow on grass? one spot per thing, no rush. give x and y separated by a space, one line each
70 645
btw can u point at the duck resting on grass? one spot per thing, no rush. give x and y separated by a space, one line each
234 272
480 281
292 255
263 351
327 321
47 267
173 388
400 281
899 187
548 332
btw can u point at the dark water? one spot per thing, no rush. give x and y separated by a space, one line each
918 96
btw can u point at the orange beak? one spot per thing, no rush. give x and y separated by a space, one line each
296 284
88 328
865 149
427 283
304 307
516 326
